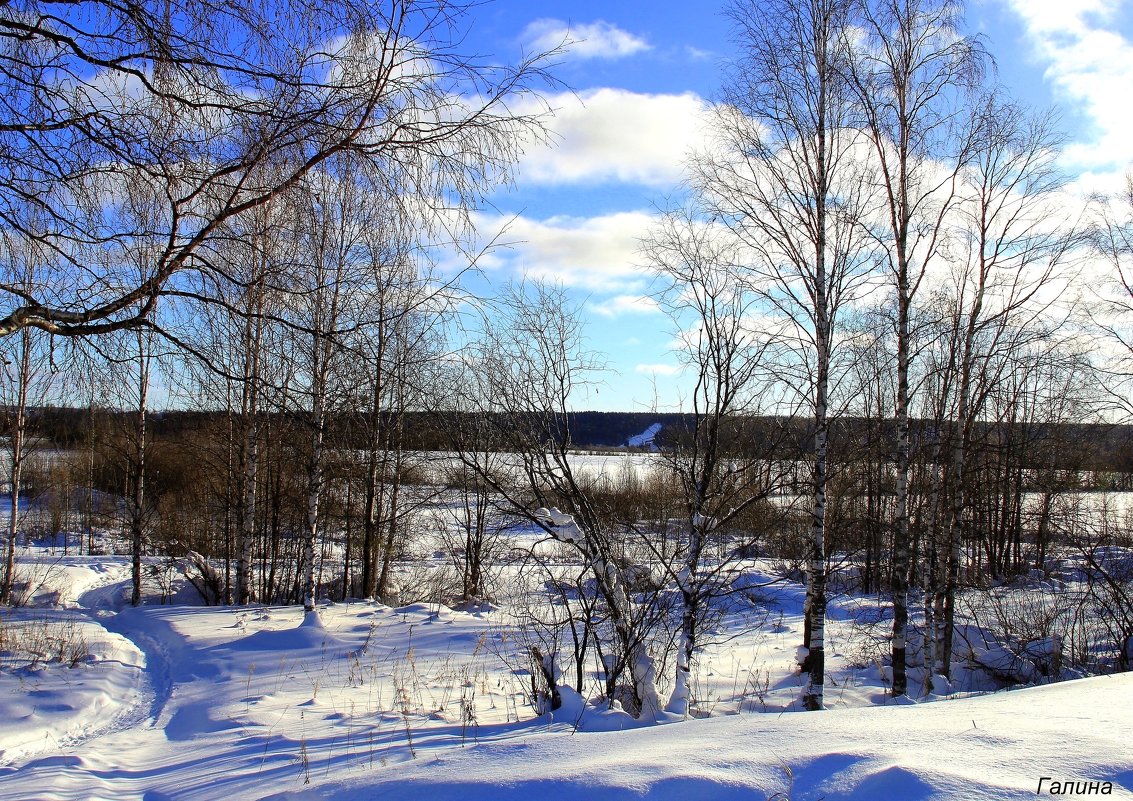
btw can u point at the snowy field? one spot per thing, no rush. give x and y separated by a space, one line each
425 702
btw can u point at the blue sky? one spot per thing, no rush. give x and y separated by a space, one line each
641 72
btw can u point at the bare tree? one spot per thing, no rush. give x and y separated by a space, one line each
26 379
477 540
121 369
137 476
400 334
325 237
215 110
207 119
255 303
910 70
1014 235
787 180
721 470
227 356
1112 232
525 372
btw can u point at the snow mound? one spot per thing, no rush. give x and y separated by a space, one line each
310 635
54 703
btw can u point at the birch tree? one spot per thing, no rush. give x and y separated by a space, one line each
911 71
786 179
197 100
227 349
1009 287
399 334
523 374
142 359
728 362
253 317
27 377
1112 234
327 235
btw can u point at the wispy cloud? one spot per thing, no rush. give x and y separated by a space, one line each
618 305
599 39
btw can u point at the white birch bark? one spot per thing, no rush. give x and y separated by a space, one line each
689 585
643 671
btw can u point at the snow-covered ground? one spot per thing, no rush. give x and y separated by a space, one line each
425 702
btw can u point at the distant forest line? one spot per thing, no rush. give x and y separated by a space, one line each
1074 447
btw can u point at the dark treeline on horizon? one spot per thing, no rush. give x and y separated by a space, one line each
1070 447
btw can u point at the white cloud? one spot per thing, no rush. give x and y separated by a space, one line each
617 135
1090 67
594 253
599 39
618 305
658 369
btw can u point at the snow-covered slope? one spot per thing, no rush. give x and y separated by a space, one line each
991 747
423 703
645 438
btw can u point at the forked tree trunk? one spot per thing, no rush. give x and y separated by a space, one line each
612 585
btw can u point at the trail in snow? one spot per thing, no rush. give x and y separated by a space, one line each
236 704
65 707
154 643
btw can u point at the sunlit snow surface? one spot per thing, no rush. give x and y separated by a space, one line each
424 702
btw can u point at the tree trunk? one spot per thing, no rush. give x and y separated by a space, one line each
138 477
689 585
314 491
19 425
900 584
815 663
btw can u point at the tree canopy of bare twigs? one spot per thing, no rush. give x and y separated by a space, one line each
157 125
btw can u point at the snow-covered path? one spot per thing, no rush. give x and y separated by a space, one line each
421 703
57 707
222 703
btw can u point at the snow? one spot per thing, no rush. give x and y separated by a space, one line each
973 748
645 438
364 701
56 705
